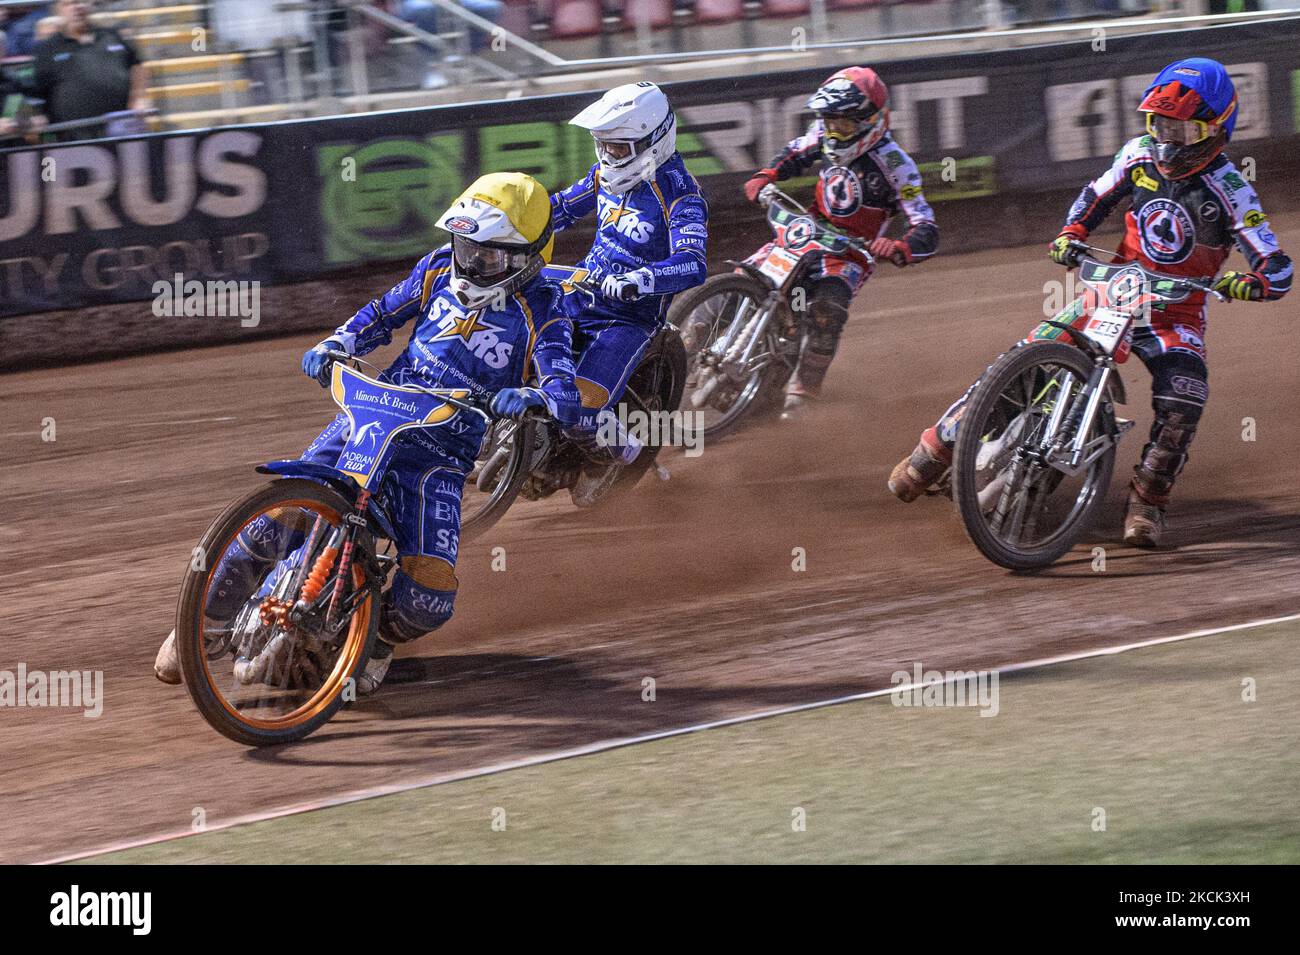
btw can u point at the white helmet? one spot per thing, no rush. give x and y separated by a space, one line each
635 132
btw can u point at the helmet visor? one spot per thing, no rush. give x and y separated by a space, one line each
839 126
1180 132
615 152
480 262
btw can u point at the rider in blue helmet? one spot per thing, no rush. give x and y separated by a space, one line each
1186 206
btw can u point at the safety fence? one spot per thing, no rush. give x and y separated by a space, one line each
102 222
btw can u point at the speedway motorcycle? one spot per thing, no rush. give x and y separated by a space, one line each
743 331
1036 444
270 650
533 459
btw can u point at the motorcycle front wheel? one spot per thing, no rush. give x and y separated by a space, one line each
703 315
256 676
1021 513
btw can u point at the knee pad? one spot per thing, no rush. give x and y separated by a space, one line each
1165 454
828 310
421 599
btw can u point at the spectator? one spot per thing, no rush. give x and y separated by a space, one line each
84 71
22 31
46 27
425 15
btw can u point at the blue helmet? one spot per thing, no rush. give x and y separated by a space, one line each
1195 95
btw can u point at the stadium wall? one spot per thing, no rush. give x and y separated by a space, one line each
325 212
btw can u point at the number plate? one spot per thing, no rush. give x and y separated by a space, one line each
778 265
1106 328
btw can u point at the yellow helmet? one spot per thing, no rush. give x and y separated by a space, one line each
500 236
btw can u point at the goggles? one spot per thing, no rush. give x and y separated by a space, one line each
614 152
478 261
1180 132
840 127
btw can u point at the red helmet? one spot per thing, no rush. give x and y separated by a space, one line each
853 106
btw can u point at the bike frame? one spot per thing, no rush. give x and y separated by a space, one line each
1117 296
798 237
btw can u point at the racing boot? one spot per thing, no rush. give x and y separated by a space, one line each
613 449
381 658
1143 521
914 475
167 665
805 384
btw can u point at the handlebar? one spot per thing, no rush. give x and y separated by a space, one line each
770 194
592 288
475 405
1205 285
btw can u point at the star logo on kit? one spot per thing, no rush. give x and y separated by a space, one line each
464 327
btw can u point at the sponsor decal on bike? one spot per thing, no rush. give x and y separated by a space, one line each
1166 231
1254 218
841 191
799 232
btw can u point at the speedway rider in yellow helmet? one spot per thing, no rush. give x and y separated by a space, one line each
484 319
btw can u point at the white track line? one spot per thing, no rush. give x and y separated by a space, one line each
606 745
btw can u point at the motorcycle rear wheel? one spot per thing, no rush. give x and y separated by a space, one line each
480 510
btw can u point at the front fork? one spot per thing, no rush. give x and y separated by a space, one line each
1063 446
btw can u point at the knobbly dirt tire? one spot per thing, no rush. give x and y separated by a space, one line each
514 472
686 303
352 659
974 424
667 351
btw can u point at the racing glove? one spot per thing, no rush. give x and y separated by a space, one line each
1059 250
316 364
629 286
1245 286
895 250
514 402
764 177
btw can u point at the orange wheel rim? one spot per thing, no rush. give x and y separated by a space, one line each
348 657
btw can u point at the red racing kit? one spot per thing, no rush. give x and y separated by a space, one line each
1183 226
860 198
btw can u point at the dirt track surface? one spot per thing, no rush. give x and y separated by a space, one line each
690 583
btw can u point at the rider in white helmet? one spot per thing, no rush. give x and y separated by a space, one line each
652 226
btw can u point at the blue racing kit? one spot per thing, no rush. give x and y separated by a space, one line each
483 350
658 229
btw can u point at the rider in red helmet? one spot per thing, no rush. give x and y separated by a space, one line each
866 179
1187 206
